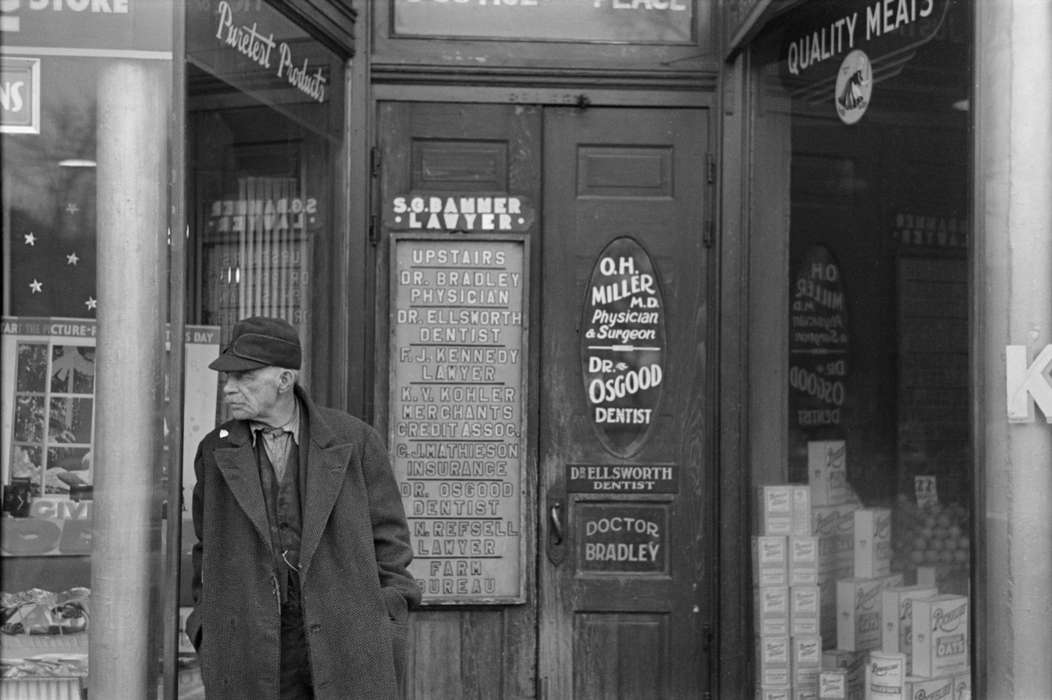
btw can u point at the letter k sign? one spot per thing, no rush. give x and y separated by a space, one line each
1027 385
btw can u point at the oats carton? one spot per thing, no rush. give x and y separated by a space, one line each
804 611
832 684
918 688
772 660
962 686
784 509
803 560
853 664
897 618
827 472
770 560
859 609
806 650
834 526
872 537
771 611
885 676
940 635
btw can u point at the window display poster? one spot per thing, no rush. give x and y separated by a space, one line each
48 411
199 397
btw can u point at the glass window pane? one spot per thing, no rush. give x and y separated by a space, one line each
262 156
878 197
32 367
62 56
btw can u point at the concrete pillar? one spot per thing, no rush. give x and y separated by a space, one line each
132 158
1013 289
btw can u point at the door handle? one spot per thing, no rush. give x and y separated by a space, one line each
555 515
556 548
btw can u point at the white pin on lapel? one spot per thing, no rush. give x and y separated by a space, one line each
223 433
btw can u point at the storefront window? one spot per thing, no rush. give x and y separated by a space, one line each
265 129
60 66
870 101
265 136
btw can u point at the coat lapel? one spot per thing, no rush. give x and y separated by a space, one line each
327 461
237 464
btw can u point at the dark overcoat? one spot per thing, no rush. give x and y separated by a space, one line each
356 590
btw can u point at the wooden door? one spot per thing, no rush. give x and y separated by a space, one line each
617 596
465 642
625 453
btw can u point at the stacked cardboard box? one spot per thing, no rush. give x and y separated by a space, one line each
882 639
848 664
786 611
897 619
832 522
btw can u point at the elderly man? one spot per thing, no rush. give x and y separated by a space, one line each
300 582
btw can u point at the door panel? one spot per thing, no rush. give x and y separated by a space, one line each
625 586
430 149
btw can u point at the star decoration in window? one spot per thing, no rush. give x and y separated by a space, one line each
91 303
72 208
72 259
31 238
36 286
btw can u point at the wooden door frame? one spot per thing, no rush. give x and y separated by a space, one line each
728 143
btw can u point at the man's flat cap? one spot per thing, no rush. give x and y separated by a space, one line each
260 341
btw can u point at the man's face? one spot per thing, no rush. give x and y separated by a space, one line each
252 394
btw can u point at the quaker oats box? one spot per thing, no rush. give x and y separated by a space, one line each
783 509
872 542
772 661
771 611
827 472
832 684
917 688
853 664
897 618
885 676
803 560
804 610
962 686
940 635
770 560
859 609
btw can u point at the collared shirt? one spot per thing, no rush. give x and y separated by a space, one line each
278 441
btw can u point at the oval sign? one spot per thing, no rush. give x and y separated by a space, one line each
818 342
623 346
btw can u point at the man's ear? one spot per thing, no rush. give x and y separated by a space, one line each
286 380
